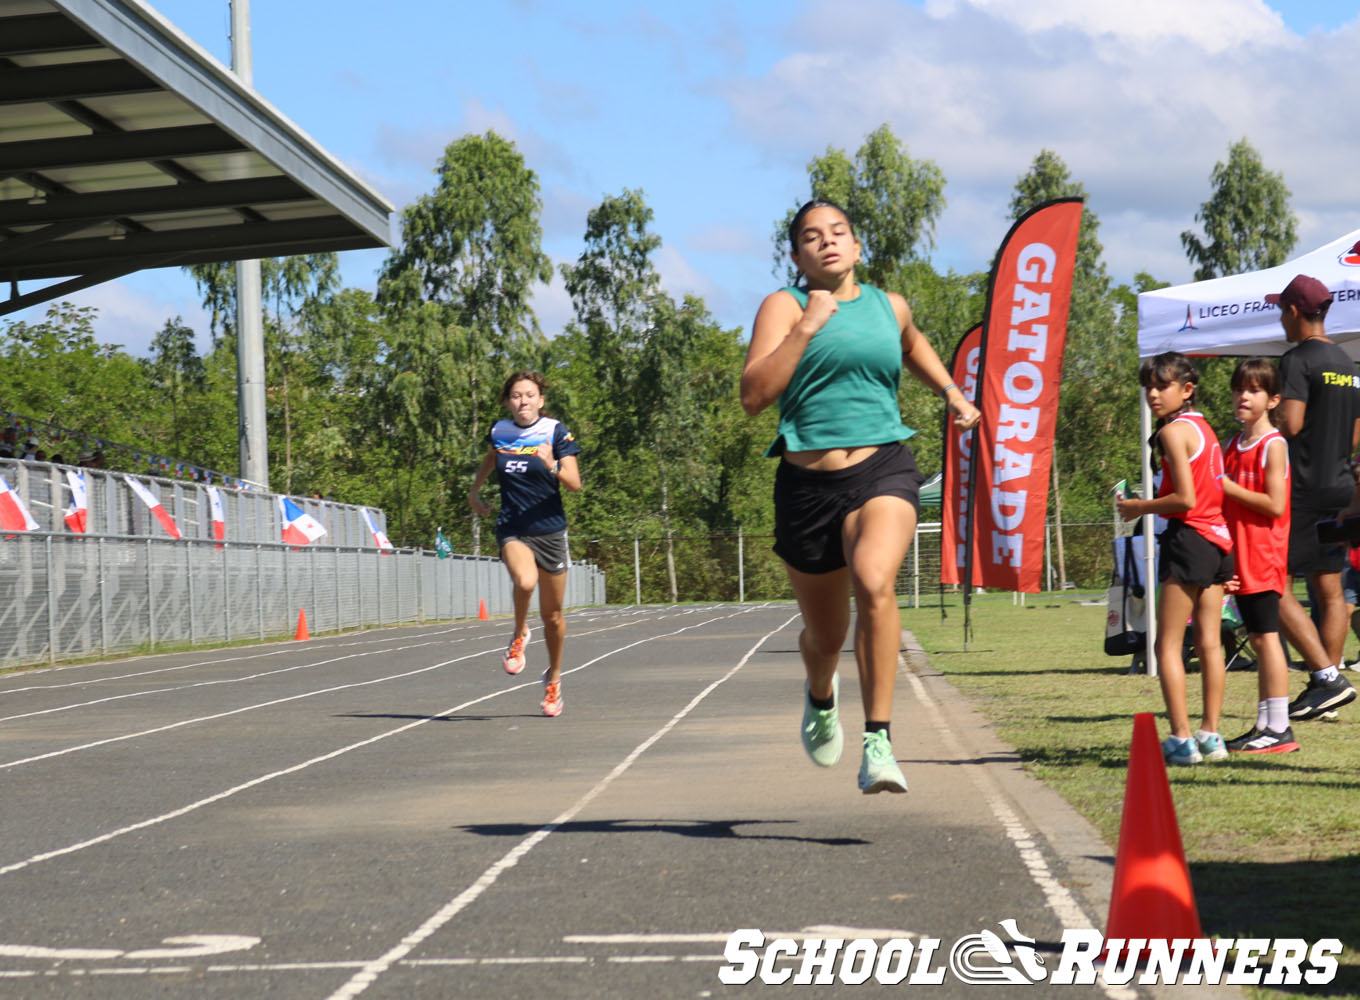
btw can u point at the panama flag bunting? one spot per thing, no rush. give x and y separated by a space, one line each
299 527
154 505
219 518
14 516
379 536
77 514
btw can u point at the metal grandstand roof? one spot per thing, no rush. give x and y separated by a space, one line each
123 145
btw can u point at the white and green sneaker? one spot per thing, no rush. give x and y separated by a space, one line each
878 770
822 736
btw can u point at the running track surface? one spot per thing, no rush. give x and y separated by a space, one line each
385 814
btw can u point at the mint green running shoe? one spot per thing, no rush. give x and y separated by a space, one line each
822 736
878 770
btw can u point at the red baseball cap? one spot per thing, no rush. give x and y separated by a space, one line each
1309 294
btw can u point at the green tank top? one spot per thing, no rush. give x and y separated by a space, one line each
843 393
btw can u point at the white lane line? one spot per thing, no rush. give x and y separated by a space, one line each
283 647
262 779
1063 904
370 973
278 701
202 684
247 708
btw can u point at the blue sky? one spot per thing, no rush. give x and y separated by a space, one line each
714 110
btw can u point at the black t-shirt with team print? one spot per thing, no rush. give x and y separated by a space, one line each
1324 377
531 498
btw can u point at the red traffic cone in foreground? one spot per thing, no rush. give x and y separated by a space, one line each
302 626
1152 896
481 610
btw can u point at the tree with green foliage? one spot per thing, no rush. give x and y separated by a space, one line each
56 371
893 201
177 373
292 289
1247 222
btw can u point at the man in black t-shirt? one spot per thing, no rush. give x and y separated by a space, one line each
1320 416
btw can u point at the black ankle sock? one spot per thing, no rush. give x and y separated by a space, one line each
878 727
823 704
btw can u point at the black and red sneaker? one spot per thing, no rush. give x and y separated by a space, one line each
1264 741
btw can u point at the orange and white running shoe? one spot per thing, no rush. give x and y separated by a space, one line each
552 697
513 660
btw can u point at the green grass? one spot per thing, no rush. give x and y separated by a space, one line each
1273 841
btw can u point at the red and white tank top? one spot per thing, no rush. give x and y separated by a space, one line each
1206 465
1260 542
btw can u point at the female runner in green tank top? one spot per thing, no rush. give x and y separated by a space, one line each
831 353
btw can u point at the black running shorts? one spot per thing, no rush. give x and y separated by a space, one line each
810 506
1188 558
550 551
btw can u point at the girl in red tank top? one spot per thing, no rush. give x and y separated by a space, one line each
1256 505
1195 559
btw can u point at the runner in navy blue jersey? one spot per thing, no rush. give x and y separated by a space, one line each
533 456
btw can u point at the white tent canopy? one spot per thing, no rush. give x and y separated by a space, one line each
1231 316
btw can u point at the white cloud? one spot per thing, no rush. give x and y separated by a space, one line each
1140 101
551 304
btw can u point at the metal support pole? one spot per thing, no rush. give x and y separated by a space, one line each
251 433
741 567
916 569
150 599
637 570
51 605
1149 543
189 582
1048 552
226 596
103 604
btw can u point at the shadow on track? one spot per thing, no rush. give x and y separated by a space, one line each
713 829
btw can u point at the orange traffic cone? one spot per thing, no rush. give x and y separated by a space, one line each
481 610
1152 896
302 626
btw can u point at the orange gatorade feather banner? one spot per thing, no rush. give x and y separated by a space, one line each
995 510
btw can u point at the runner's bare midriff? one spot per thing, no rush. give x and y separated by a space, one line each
830 459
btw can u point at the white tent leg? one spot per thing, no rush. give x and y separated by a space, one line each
1149 539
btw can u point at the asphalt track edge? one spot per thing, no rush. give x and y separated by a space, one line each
1088 862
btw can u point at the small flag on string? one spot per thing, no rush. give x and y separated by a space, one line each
78 512
154 505
379 536
14 516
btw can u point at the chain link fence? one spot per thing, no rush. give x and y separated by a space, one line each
65 597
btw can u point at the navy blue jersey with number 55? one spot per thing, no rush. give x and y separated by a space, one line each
531 498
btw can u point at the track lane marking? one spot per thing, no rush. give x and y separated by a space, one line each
341 751
363 979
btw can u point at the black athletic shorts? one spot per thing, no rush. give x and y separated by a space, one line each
550 551
1187 557
1260 611
1306 553
810 506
